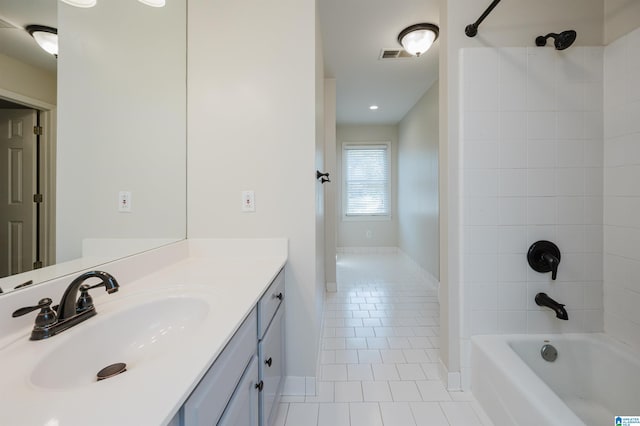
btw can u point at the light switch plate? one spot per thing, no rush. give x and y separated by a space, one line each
124 201
248 201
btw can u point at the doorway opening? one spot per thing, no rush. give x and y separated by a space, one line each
27 185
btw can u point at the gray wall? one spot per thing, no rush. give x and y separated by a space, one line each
418 216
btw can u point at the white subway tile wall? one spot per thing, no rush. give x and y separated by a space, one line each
379 355
532 144
621 190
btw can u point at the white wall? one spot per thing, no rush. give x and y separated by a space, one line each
513 23
330 190
121 122
620 18
622 194
355 233
418 222
252 126
320 280
23 79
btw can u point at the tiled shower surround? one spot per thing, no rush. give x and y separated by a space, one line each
622 189
532 169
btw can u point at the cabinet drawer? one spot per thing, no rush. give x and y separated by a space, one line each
209 399
269 303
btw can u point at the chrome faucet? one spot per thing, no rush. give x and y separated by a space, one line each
72 309
542 299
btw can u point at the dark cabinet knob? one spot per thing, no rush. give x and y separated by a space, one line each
260 386
279 296
269 362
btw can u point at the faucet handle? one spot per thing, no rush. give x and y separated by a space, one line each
46 316
544 256
42 304
85 301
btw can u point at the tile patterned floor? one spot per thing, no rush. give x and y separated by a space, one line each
378 361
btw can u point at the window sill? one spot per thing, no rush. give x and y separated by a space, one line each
366 218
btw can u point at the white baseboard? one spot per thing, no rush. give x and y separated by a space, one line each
299 386
366 250
424 274
451 380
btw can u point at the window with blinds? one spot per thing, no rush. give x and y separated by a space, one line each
366 180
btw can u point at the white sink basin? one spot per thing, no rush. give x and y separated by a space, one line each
136 335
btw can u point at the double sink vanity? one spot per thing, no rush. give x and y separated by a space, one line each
198 324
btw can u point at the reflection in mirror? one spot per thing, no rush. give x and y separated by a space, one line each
120 115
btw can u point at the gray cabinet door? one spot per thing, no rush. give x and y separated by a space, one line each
272 367
209 399
242 409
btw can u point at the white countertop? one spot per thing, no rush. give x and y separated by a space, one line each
232 284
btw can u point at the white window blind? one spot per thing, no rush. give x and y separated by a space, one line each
366 178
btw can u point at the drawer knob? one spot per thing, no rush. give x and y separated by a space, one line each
279 296
260 386
269 361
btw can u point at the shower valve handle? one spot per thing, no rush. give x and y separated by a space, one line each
544 256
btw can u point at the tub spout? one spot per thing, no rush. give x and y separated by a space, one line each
542 299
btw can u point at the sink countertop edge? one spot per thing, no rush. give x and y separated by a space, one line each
155 400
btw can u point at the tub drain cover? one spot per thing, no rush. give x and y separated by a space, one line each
112 370
549 353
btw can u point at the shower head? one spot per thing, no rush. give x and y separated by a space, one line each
561 41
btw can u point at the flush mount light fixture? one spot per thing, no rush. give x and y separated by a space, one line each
81 3
373 107
153 3
418 38
46 37
91 3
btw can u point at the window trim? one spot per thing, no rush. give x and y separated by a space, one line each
367 217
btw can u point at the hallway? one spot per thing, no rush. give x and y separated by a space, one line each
379 355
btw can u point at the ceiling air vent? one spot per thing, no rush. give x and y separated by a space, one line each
394 54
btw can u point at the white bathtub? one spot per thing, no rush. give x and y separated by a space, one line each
593 379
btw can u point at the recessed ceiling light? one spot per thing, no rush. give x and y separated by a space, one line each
373 107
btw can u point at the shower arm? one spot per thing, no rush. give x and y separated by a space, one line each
472 29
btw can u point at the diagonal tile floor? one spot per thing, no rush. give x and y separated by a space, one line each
379 354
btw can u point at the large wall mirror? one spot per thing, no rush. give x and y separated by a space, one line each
106 178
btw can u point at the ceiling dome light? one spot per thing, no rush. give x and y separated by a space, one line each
81 3
46 37
418 38
373 107
153 3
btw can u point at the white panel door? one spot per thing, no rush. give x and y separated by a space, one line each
17 186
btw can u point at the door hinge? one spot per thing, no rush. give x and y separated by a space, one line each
38 198
37 264
37 130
